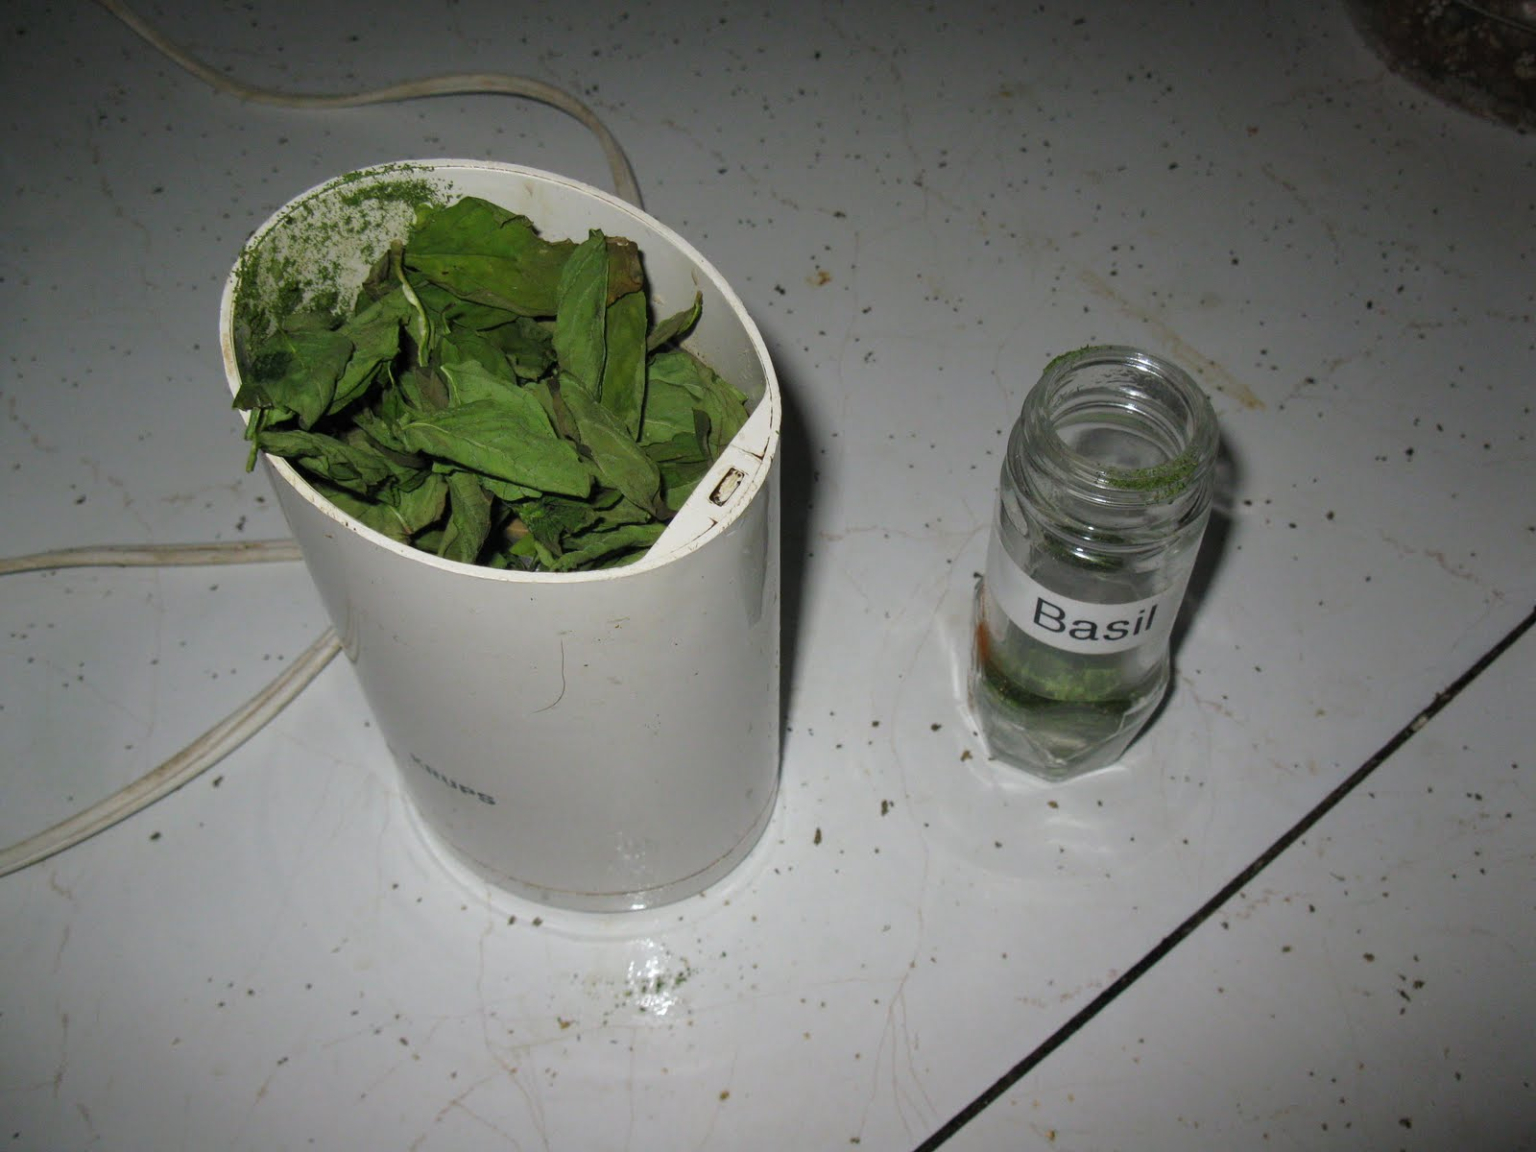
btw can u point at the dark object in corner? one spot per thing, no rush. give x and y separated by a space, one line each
1479 56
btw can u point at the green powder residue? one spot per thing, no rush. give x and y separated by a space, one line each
1161 483
317 254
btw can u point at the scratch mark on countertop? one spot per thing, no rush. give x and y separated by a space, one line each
33 437
58 1074
913 1105
1208 370
898 1046
1440 558
1307 206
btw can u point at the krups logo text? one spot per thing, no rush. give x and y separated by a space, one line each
483 797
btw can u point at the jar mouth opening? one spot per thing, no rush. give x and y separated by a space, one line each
1126 426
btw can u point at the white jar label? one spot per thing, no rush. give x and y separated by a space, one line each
1077 625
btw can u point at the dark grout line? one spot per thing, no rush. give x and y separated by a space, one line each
1227 892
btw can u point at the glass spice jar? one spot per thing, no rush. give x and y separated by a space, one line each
1104 497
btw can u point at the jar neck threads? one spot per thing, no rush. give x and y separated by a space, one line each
1114 443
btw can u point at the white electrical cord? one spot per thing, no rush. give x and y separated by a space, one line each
453 84
214 744
154 556
229 733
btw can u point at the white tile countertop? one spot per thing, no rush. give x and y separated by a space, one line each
1298 914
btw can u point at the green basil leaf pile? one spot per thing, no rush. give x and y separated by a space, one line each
496 398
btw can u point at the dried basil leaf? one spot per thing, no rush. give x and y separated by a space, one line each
509 438
484 254
722 403
623 386
676 326
470 380
356 469
469 519
294 371
551 519
375 337
507 491
580 343
457 312
679 479
399 514
619 461
465 345
529 346
604 545
422 390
